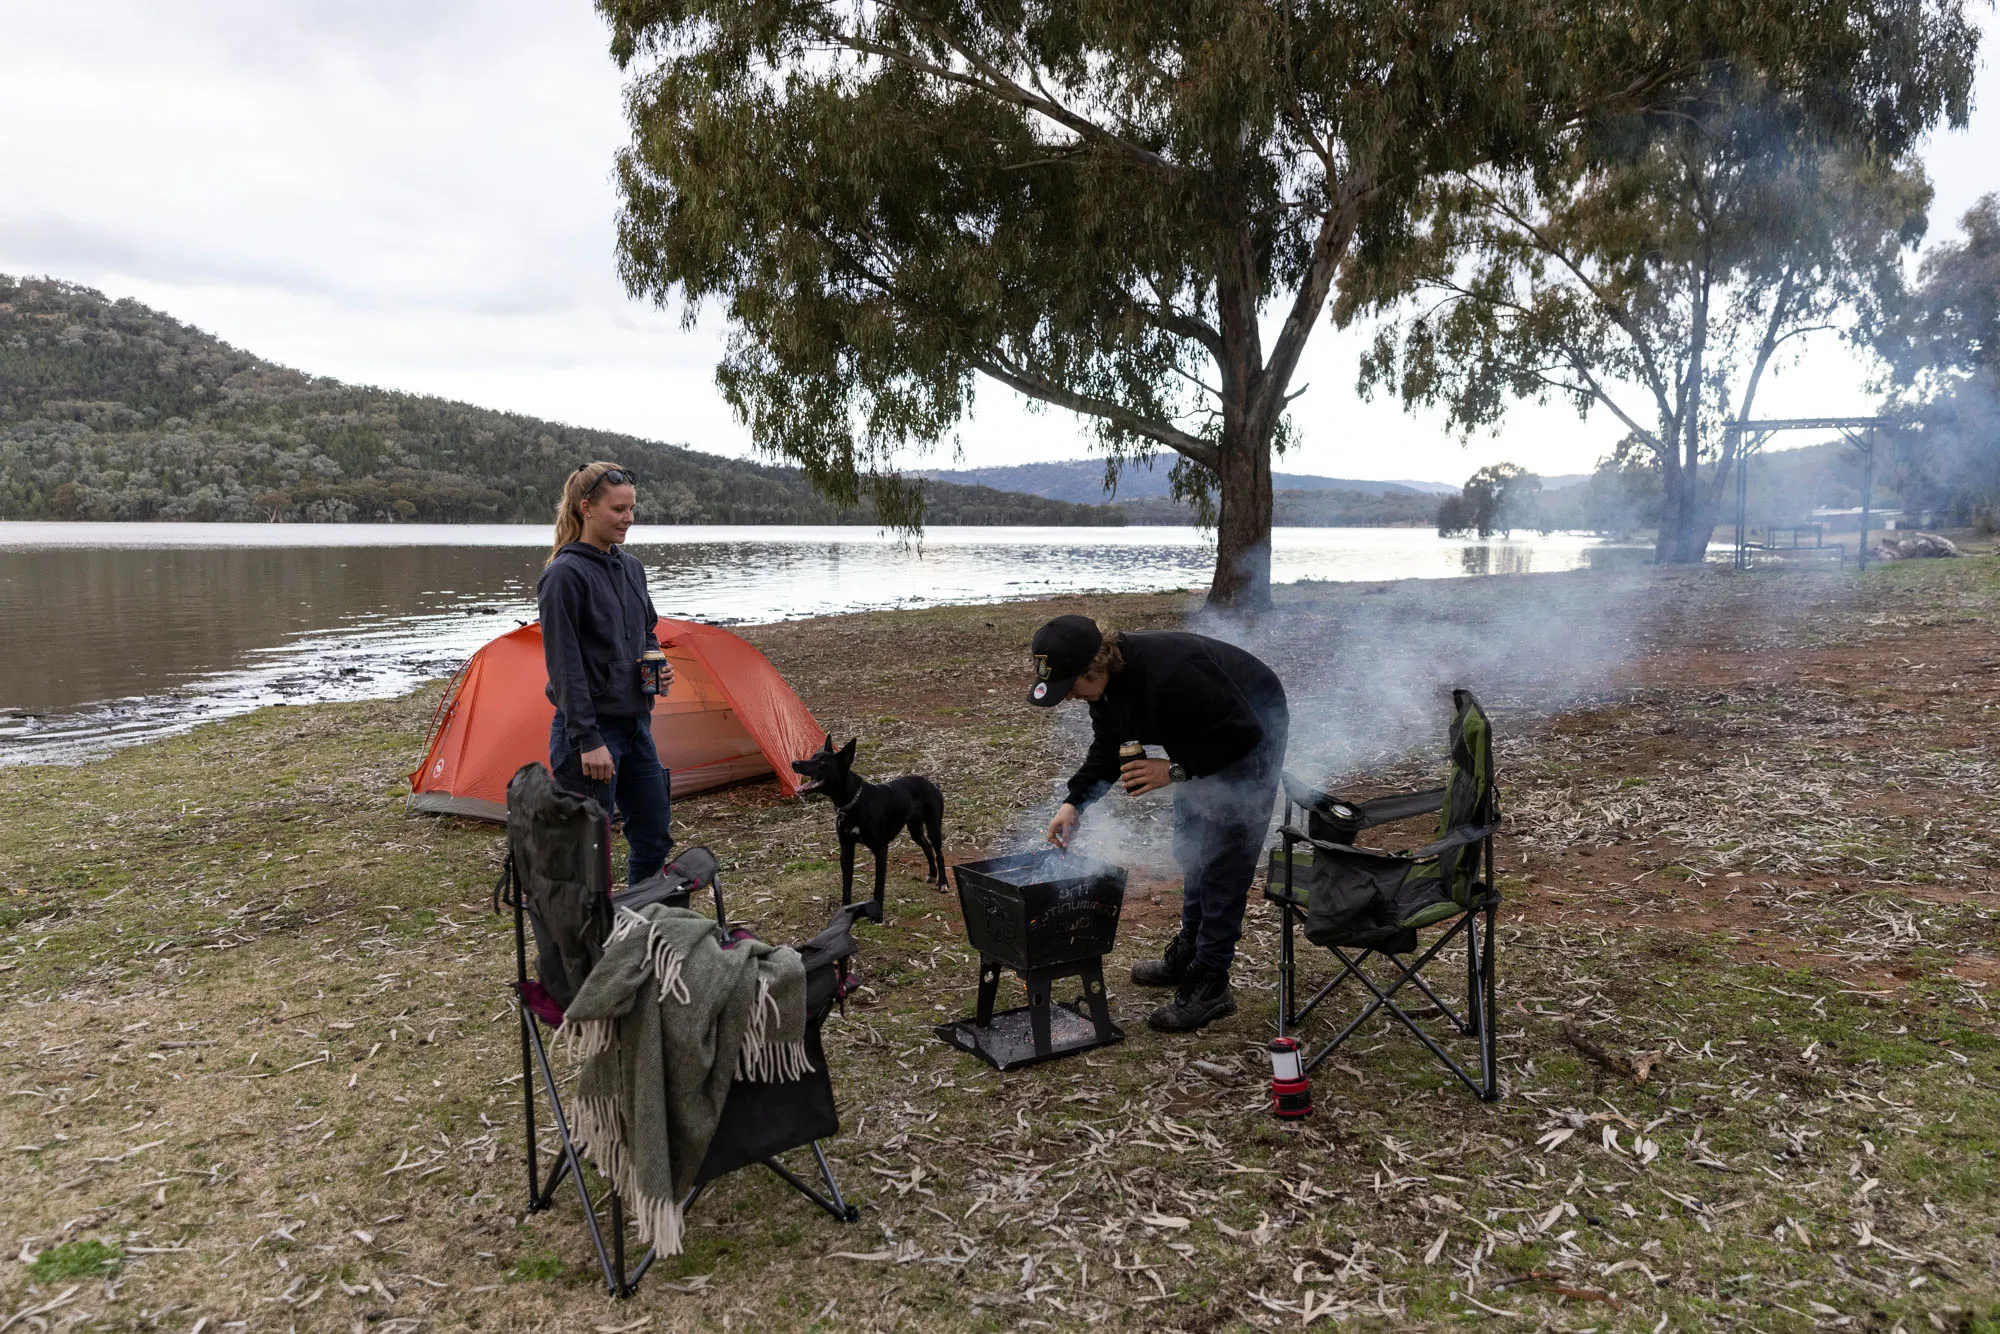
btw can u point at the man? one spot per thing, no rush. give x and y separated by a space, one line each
1220 715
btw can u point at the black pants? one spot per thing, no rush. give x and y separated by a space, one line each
1220 823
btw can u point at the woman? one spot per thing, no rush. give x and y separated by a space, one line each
597 623
1221 716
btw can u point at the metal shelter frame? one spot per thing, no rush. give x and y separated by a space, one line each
1858 432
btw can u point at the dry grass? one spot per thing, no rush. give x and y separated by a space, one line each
255 1039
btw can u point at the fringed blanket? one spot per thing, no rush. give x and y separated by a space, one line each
665 1021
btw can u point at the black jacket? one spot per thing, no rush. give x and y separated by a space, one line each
1210 704
597 618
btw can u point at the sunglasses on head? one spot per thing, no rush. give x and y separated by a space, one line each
613 476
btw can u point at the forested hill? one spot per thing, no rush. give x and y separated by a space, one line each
109 410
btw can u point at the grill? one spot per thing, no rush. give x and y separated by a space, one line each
1046 916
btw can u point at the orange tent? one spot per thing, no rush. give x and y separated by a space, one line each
728 717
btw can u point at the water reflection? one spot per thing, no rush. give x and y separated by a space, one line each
108 644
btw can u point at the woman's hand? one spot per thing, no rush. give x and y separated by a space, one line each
597 766
1063 827
1140 776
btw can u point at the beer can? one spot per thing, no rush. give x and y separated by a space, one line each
652 668
1131 750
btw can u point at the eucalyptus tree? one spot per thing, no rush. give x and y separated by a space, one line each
1136 212
1942 343
1665 264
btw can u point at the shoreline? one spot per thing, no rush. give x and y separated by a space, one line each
274 678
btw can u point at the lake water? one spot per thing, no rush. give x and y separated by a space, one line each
115 633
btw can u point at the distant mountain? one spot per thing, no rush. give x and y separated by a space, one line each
1428 488
109 410
1081 481
1300 508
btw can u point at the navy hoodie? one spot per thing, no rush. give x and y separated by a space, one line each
597 619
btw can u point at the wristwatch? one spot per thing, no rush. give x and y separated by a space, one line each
1176 773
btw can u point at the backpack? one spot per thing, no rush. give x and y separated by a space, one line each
559 848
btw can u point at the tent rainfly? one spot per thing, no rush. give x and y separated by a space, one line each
729 717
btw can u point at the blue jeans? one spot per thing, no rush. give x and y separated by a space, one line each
1220 823
639 787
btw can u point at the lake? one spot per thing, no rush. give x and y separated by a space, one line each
116 633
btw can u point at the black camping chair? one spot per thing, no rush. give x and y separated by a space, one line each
1359 903
557 882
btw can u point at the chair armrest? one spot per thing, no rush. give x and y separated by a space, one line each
1457 838
1387 810
1349 851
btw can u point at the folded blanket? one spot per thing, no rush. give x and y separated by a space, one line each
671 1014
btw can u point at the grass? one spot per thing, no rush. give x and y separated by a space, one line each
257 1057
74 1259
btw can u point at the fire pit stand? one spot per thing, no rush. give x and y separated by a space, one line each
1046 916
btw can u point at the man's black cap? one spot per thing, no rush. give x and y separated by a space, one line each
1063 650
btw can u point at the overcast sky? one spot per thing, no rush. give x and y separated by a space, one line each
418 195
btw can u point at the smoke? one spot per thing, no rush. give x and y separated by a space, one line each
1368 671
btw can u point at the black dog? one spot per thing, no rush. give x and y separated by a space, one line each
874 813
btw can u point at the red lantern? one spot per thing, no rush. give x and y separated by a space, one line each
1291 1091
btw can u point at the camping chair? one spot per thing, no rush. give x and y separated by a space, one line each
556 879
1360 903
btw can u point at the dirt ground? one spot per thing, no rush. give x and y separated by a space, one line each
258 1069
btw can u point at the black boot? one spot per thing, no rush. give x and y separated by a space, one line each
1168 969
1203 997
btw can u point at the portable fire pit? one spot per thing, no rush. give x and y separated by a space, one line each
1046 916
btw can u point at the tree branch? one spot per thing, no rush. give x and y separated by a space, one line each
996 84
1656 380
1336 230
1023 381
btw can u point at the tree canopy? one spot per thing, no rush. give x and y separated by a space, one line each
1943 346
1497 499
1659 272
1135 212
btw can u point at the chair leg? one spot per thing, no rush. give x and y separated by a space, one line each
1475 1007
535 1201
839 1208
1489 1054
614 1280
1287 961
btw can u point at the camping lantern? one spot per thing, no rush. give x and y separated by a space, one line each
1291 1091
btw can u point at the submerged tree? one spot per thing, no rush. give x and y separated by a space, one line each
1943 346
1133 211
1498 498
1664 265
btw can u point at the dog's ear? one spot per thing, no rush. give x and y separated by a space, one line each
829 742
847 751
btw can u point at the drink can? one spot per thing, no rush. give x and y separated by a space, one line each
652 666
1131 750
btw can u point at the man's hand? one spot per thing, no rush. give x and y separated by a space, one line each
1140 776
1063 827
597 766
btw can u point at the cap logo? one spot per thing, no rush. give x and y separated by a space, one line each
1042 688
1041 668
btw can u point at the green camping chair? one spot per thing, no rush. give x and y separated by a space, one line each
1360 903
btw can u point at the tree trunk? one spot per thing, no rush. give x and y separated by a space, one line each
1674 500
1687 519
1243 527
1249 420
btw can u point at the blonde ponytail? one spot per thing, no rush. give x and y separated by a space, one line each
569 509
